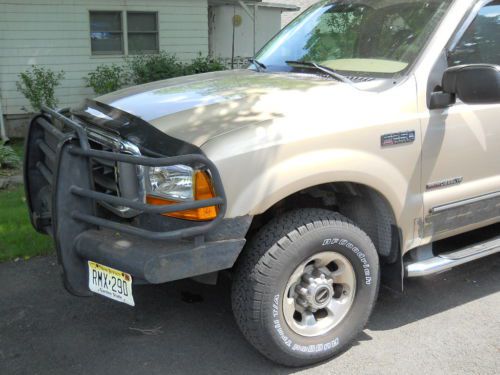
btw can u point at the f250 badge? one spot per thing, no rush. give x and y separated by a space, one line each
397 138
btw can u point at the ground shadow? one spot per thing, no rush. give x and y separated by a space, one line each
177 328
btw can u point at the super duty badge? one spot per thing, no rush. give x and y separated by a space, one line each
397 138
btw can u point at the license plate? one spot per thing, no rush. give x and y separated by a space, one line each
110 283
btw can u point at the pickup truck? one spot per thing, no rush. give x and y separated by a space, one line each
360 139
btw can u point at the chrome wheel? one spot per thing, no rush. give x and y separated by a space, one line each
319 294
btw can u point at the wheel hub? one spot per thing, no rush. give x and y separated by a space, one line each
319 294
314 292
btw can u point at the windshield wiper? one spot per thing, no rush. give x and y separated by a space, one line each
324 69
260 66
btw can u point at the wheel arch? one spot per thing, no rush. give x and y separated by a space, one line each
358 202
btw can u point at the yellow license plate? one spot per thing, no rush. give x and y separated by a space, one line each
110 283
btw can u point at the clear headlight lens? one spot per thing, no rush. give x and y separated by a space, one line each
175 182
180 183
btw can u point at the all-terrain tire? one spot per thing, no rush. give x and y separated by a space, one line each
264 269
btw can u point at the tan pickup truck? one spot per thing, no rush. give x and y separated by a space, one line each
361 139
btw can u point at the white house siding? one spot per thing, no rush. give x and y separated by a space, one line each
267 24
302 4
56 34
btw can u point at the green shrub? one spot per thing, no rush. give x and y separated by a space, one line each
106 78
149 68
8 157
204 64
38 86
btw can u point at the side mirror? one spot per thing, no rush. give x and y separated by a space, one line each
472 84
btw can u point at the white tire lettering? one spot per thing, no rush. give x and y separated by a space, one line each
355 250
294 346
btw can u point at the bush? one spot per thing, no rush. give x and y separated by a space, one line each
149 68
106 78
203 64
38 86
8 157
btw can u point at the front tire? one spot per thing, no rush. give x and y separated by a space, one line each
305 286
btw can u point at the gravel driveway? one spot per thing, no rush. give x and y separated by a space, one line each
445 324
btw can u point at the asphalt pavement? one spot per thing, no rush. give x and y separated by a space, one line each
444 324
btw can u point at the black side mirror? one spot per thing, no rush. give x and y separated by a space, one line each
472 84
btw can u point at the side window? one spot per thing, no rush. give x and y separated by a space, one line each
106 33
142 32
111 35
481 41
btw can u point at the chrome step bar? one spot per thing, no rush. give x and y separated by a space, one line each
448 260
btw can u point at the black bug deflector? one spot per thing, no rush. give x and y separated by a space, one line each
63 202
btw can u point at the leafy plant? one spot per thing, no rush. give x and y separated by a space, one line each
8 157
149 68
106 78
204 64
38 86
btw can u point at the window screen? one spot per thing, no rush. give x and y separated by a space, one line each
142 32
106 33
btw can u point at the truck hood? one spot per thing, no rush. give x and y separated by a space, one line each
198 108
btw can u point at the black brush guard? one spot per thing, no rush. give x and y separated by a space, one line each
62 202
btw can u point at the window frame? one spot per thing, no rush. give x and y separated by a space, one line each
465 24
435 75
107 53
154 32
125 51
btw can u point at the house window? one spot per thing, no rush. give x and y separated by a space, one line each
142 32
110 35
106 33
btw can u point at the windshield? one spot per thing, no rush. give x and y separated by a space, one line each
360 37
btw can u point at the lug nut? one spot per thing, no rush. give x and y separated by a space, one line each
307 278
302 302
301 290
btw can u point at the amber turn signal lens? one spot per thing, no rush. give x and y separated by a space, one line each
203 190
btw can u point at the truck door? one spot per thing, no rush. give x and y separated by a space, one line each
461 144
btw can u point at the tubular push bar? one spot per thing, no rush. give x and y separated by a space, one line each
84 150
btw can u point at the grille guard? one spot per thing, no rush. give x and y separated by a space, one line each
76 144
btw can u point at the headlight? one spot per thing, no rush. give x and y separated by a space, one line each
174 182
181 183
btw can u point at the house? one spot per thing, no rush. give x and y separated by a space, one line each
77 36
241 30
301 4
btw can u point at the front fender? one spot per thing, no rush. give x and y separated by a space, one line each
302 171
254 181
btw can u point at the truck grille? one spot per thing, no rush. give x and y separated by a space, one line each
114 178
105 174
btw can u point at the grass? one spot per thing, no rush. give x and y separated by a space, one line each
18 145
18 239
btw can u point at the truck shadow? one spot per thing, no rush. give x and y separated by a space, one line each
214 329
178 328
427 296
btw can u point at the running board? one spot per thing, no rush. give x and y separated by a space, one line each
448 260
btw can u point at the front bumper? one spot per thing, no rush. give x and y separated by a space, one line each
157 262
64 203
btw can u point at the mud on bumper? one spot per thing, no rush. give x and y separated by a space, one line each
65 202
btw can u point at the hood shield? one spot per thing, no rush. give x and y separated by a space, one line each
149 139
